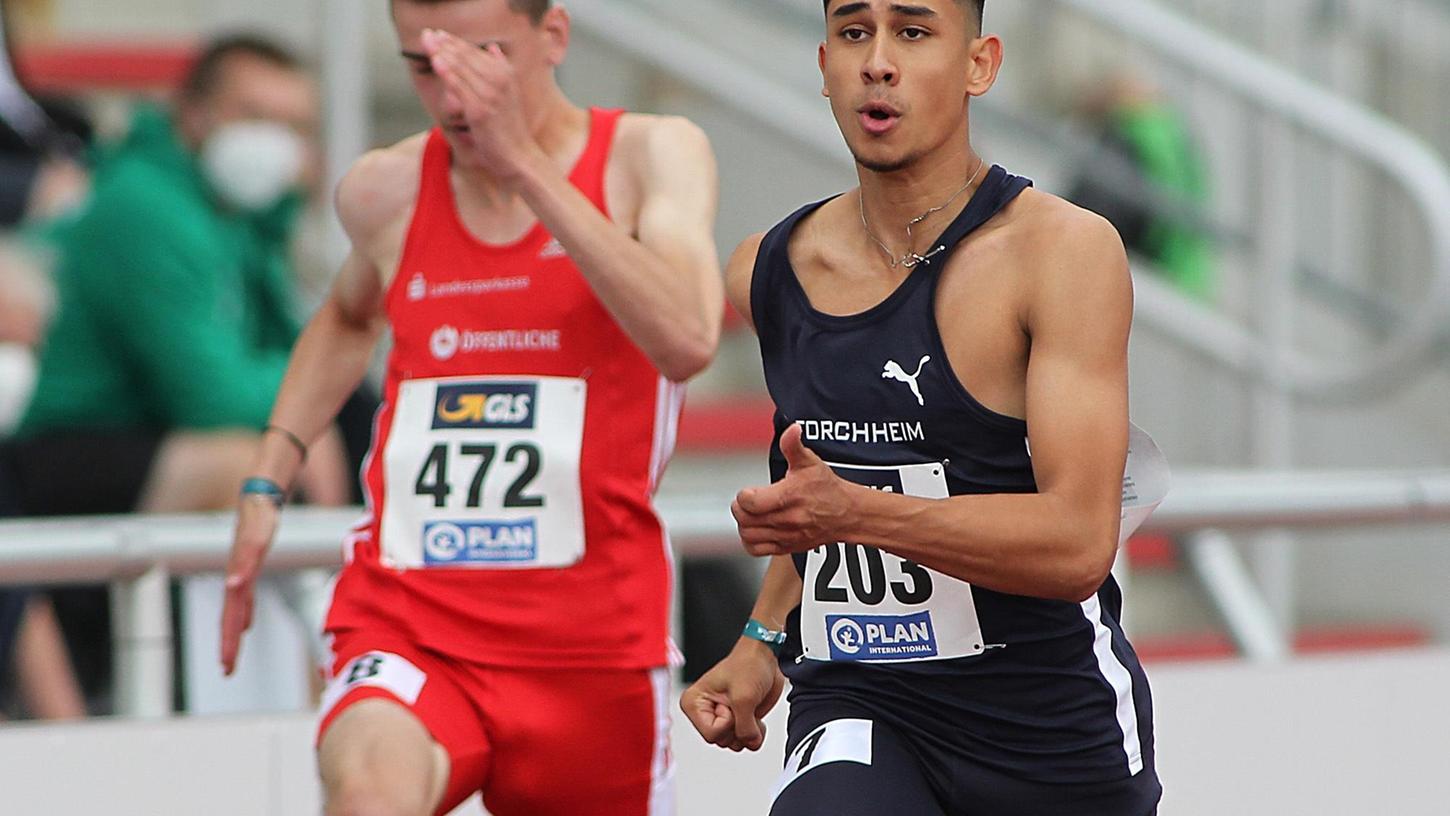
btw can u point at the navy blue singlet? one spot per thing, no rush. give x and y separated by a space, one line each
1043 690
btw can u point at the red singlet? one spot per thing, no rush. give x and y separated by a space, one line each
515 454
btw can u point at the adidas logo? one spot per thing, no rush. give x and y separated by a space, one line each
553 249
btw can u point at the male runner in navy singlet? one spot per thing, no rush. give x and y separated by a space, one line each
950 622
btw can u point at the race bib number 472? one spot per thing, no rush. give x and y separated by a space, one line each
483 473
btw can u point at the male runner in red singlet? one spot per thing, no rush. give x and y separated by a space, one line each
549 276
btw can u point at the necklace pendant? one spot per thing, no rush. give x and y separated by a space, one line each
912 260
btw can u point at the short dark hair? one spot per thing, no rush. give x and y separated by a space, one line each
534 8
981 6
206 72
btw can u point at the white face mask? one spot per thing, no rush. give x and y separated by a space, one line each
251 165
17 382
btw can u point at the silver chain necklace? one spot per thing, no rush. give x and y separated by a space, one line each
911 259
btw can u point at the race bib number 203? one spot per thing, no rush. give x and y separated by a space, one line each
483 473
863 604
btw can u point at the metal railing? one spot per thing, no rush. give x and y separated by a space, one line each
138 555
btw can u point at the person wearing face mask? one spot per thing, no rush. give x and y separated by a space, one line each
174 318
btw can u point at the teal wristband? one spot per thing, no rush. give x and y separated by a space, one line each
755 630
258 486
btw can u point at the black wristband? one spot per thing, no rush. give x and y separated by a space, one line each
290 437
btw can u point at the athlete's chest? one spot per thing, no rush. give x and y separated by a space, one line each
980 313
879 338
508 221
472 227
529 309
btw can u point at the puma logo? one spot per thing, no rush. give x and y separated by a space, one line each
894 371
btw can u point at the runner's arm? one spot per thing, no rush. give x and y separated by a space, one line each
1058 543
664 287
331 356
327 364
780 594
728 703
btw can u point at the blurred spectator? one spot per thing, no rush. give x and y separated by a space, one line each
40 178
175 313
30 637
1145 146
26 302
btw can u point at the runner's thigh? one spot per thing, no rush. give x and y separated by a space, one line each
568 742
398 727
843 764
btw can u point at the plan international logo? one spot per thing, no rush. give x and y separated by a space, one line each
881 637
480 542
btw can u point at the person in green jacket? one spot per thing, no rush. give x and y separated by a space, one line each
1142 134
175 301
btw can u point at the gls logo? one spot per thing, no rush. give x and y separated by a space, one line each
486 405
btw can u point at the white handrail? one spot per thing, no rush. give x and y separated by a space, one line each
105 548
138 554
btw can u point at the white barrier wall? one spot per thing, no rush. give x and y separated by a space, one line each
1355 734
1345 735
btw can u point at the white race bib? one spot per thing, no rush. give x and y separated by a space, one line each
483 473
1145 481
864 604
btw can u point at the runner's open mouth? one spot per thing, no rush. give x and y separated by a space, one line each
880 111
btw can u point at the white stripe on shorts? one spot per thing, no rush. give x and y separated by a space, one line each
662 767
1117 676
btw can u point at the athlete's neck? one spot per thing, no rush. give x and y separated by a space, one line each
892 200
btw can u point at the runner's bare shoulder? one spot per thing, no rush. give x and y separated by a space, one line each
656 152
645 139
1071 261
1059 240
378 193
739 272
